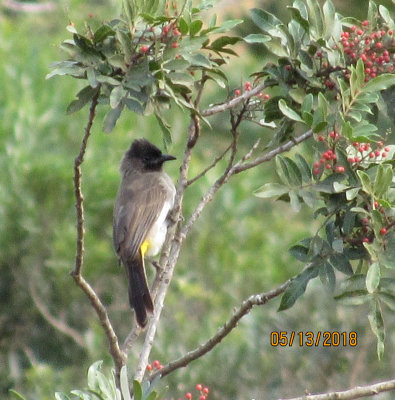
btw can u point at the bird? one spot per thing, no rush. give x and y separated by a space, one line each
145 198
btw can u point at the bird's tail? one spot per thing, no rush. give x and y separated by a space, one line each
139 295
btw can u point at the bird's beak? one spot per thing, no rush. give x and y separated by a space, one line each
167 157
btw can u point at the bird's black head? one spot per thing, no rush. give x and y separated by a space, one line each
148 155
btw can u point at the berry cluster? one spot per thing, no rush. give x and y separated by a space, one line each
247 88
372 47
367 229
365 151
203 392
168 34
328 159
155 365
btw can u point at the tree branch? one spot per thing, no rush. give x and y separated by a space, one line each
118 357
56 323
171 250
244 309
240 166
233 102
355 393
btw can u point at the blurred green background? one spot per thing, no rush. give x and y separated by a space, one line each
238 247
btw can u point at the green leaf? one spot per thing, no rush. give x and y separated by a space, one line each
16 394
183 26
165 128
320 126
386 16
116 96
111 118
102 33
288 112
341 263
223 41
348 222
195 27
137 390
176 64
92 371
297 287
323 105
124 383
84 96
257 38
316 18
198 60
297 16
354 286
301 253
329 13
307 104
377 324
61 396
303 167
271 190
383 179
338 246
365 181
373 277
294 201
388 254
327 276
134 105
381 82
225 27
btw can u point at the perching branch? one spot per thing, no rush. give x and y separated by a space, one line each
118 357
170 253
244 309
355 393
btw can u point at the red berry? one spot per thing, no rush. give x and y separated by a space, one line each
149 367
379 45
340 169
247 86
199 387
188 396
319 54
384 154
174 45
357 159
288 67
390 32
365 240
375 204
383 231
351 159
316 164
365 221
365 23
371 155
332 134
202 397
316 171
328 166
387 149
266 96
380 144
144 49
206 390
353 28
359 32
237 92
377 153
156 363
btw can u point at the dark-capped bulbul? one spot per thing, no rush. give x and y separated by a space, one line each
145 197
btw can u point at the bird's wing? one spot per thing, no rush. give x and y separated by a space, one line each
136 210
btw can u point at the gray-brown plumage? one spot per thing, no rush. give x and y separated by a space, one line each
145 197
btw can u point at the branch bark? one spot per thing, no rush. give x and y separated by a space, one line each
355 393
244 309
118 357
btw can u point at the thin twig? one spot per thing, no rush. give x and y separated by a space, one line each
244 309
118 357
61 326
240 166
79 199
233 102
211 166
355 393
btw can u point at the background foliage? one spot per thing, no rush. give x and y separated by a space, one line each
38 145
